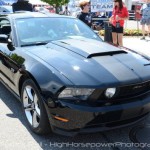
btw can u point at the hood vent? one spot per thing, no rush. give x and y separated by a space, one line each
146 64
107 53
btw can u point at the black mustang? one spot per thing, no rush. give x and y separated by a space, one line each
68 80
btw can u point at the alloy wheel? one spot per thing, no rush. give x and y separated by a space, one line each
31 106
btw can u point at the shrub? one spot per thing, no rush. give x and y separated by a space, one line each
127 32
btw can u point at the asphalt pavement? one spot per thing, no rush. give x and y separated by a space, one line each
135 43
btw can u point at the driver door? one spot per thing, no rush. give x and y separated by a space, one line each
8 68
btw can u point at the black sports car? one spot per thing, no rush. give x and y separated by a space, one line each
68 80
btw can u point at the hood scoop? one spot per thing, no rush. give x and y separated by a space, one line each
89 48
111 53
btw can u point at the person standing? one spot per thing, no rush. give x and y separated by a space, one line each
119 15
22 5
145 20
66 11
85 15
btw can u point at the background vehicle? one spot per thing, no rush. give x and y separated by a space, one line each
51 9
5 9
41 9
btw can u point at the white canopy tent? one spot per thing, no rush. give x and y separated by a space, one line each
37 2
129 3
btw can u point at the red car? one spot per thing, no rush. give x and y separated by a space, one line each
51 9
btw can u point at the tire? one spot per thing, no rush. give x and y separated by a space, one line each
34 109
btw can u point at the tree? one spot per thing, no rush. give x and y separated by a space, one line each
56 3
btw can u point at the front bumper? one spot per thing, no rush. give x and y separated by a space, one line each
86 118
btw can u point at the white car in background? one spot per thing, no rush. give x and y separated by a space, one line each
5 9
41 9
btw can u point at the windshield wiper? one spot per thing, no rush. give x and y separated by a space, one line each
34 44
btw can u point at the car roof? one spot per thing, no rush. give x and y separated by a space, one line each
27 14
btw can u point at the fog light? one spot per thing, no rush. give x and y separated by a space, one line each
110 92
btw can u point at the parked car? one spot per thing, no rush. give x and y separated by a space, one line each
51 9
67 78
4 9
41 9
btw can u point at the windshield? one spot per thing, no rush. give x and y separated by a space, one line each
35 30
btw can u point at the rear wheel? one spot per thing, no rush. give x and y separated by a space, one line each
34 108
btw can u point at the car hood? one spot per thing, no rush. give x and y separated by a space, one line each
94 63
87 47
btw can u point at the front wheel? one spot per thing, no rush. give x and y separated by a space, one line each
34 108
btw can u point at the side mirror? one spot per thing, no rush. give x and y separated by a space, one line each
10 45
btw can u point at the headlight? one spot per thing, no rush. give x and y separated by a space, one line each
76 93
110 92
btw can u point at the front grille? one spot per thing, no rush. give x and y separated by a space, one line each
124 93
134 90
96 123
